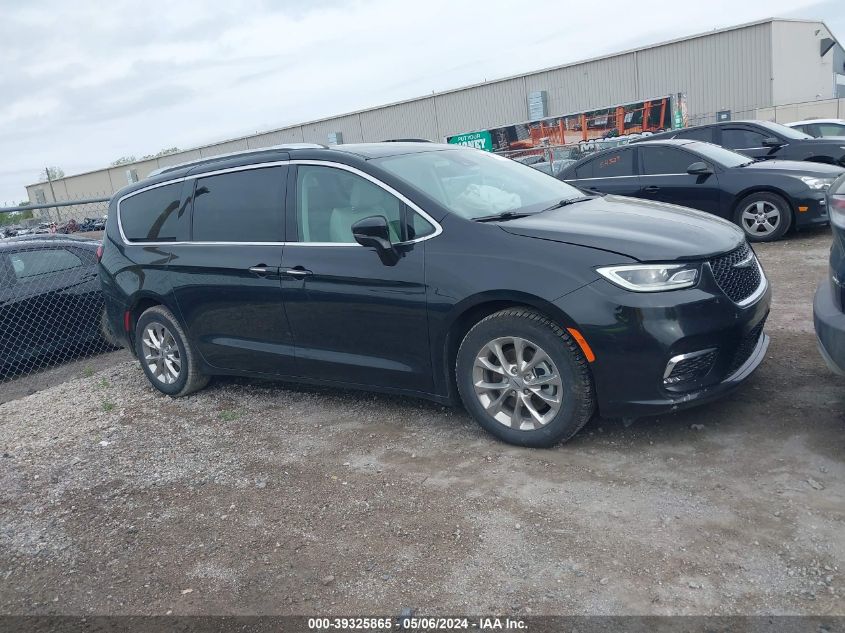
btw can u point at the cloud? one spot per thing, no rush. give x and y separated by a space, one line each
86 82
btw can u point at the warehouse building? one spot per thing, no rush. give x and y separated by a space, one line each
775 69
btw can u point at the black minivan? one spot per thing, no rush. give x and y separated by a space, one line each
434 271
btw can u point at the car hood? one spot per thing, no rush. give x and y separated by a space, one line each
641 229
795 168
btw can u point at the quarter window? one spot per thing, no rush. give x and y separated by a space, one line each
28 264
154 215
664 160
240 206
585 170
330 200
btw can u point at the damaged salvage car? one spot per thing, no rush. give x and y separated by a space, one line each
434 271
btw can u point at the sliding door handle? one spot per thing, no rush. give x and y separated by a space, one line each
261 269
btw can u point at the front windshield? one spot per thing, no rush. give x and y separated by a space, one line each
719 155
782 130
473 183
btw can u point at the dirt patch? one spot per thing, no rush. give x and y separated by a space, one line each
266 498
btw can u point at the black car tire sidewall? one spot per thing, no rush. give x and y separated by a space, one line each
164 317
773 199
578 398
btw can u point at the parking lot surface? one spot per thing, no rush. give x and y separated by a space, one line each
254 497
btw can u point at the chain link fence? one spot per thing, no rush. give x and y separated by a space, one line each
552 158
51 305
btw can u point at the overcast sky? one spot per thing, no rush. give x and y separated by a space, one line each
83 83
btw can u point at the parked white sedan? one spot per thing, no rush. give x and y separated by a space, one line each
820 127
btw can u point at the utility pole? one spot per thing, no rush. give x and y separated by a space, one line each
52 192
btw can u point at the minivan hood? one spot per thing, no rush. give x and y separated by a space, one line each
805 167
641 229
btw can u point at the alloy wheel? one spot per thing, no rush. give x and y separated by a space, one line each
161 353
760 218
517 383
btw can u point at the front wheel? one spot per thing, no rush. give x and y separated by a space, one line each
524 379
166 355
763 216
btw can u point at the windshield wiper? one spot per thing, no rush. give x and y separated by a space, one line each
505 215
568 201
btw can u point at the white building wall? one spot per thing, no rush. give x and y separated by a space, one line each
744 69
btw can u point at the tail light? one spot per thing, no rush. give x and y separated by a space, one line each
99 252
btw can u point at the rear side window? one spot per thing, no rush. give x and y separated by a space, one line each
240 206
27 264
829 129
614 164
697 134
154 215
741 138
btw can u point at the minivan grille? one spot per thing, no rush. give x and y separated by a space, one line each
738 283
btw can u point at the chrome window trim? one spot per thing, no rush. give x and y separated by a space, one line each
438 229
325 163
634 176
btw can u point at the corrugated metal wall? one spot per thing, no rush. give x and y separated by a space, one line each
722 70
725 71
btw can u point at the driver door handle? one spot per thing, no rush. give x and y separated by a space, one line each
296 271
651 189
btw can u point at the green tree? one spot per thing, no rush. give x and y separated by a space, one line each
54 173
160 153
123 160
14 217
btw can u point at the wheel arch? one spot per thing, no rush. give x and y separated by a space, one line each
473 309
762 189
139 304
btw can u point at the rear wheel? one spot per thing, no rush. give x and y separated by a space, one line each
166 355
106 332
524 379
763 216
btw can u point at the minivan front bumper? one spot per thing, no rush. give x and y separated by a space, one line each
638 337
829 322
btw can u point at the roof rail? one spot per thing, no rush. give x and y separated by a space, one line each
219 157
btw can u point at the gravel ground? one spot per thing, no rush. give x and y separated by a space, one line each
263 498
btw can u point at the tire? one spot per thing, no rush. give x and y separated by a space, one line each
105 331
169 332
761 206
517 424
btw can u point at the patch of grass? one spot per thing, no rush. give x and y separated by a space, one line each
108 406
88 372
228 415
104 383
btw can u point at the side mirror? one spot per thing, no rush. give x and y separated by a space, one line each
373 232
699 168
772 141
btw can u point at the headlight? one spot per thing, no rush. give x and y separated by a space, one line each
817 183
651 277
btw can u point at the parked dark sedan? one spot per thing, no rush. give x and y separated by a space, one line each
829 302
762 139
50 300
433 271
765 198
